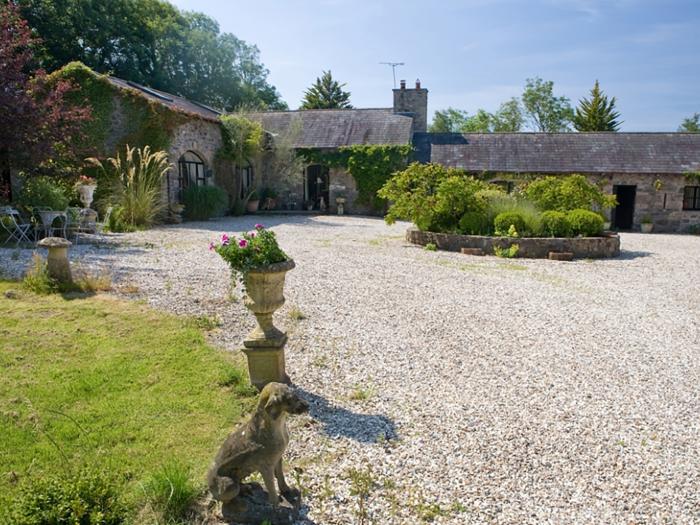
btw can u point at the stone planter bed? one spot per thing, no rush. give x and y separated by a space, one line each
529 247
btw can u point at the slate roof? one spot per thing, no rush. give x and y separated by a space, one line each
169 100
332 128
564 152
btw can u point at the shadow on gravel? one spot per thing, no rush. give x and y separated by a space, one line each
338 421
626 255
248 222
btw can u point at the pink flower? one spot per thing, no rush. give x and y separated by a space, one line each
242 243
224 239
259 226
212 246
252 234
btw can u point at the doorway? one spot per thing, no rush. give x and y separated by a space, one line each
317 187
623 214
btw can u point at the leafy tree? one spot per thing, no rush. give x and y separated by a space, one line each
567 193
153 43
691 124
38 122
449 120
597 113
509 117
481 122
546 112
326 93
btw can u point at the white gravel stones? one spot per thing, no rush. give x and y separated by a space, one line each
477 389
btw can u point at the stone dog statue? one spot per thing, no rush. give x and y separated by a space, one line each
257 446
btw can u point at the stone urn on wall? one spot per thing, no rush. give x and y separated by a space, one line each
86 190
264 346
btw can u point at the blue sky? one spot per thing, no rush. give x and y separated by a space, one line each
475 54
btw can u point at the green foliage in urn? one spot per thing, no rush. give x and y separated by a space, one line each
370 165
585 222
254 249
568 193
135 181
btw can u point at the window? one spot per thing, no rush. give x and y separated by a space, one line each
191 171
246 180
691 198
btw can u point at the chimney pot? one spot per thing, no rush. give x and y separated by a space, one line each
418 83
403 84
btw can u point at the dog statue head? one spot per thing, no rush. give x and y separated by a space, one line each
277 399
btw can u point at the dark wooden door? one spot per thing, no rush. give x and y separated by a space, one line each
317 186
623 215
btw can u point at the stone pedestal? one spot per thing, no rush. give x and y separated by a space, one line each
252 507
57 260
264 346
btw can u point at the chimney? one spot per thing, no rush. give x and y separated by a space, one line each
413 102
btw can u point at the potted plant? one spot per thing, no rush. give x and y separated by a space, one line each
647 224
269 199
340 203
85 186
260 265
252 202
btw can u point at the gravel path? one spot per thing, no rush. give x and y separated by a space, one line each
471 389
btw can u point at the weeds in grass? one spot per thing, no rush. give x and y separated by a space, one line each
89 282
235 378
37 278
295 314
170 492
360 393
206 323
361 485
130 289
430 247
508 253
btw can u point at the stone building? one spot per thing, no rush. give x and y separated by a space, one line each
647 171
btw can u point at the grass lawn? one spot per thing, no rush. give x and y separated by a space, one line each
92 380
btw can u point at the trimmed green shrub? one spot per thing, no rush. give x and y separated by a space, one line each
475 223
503 222
44 191
84 498
585 222
567 193
555 224
204 202
433 197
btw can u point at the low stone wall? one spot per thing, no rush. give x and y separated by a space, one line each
529 247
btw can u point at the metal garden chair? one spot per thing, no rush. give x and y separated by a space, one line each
17 228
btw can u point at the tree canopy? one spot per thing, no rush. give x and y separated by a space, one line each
326 93
153 43
508 118
597 113
545 111
40 123
691 124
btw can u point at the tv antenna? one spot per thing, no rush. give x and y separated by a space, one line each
393 68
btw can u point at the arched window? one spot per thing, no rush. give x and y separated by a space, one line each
191 171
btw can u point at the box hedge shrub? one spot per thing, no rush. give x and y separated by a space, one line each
555 224
585 222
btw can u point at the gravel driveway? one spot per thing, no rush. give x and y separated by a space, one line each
463 389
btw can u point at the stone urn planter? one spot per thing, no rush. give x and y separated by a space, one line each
252 205
264 346
86 192
340 202
647 227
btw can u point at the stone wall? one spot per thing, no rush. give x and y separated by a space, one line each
528 247
664 206
203 138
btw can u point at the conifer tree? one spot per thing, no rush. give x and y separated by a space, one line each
326 93
597 113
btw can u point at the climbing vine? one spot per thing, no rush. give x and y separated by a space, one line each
693 178
370 165
144 122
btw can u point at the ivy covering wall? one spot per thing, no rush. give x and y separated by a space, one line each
142 123
370 165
